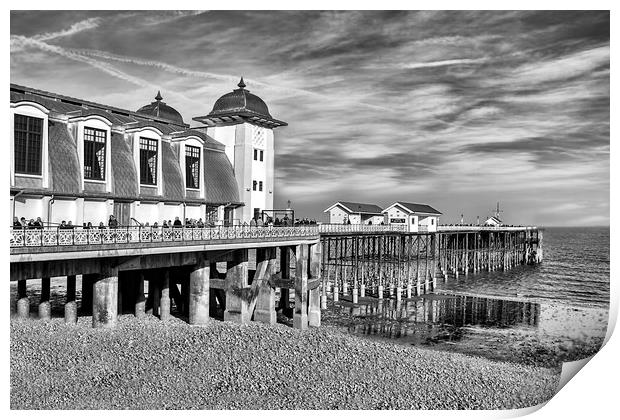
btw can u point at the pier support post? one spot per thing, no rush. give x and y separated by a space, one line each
140 304
164 299
409 291
237 309
70 305
380 291
336 293
314 297
399 294
199 293
23 303
300 315
45 309
265 310
285 272
105 299
86 306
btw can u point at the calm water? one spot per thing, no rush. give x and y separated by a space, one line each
544 314
575 272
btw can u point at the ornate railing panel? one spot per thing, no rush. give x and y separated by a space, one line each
123 235
334 228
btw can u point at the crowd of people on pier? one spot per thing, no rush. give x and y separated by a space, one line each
112 223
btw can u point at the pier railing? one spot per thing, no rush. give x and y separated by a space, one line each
356 228
470 228
137 234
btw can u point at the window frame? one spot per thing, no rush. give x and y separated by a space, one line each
94 157
154 173
189 150
28 132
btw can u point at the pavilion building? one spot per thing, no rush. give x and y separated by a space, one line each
79 161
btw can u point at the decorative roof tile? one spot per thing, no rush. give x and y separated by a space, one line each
220 183
173 182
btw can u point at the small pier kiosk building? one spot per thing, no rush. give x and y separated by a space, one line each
356 213
414 217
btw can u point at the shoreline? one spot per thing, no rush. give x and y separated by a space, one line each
149 364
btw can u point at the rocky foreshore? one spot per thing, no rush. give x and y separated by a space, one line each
148 364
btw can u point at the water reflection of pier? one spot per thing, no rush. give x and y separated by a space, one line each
435 317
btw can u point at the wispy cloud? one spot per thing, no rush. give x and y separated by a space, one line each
457 109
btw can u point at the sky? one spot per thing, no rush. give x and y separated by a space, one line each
458 110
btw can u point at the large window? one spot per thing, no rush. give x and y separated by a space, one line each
94 153
192 167
28 144
148 161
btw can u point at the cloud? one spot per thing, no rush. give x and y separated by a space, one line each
457 109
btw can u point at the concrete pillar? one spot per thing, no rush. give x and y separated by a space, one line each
314 298
362 290
336 293
399 293
380 292
45 309
285 272
23 303
70 305
140 304
300 315
408 291
354 295
314 309
237 308
87 293
265 310
105 299
164 300
199 296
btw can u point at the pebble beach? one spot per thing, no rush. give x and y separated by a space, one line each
149 364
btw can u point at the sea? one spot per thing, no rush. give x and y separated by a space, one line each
542 314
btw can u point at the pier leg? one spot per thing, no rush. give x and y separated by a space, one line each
300 315
237 309
265 310
164 300
380 291
285 271
45 309
336 293
354 295
23 303
70 305
363 290
140 303
105 300
314 308
199 293
399 294
408 291
86 306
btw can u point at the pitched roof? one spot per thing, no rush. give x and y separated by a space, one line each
124 176
220 183
63 160
416 208
65 104
173 182
358 207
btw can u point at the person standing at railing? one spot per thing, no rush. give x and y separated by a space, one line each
16 223
200 224
70 225
252 222
259 223
177 223
165 224
112 222
101 225
89 225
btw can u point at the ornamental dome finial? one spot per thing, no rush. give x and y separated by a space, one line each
241 84
158 97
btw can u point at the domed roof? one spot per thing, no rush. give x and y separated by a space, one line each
240 100
162 110
238 105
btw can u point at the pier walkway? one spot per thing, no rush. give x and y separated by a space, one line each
237 270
